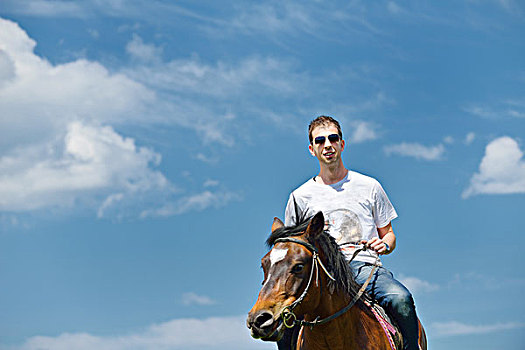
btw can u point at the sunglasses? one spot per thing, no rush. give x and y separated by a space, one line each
320 140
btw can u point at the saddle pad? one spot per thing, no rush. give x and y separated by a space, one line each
389 329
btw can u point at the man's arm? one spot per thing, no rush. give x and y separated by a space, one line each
386 235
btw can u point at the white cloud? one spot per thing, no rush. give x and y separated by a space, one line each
448 140
214 99
452 328
469 138
88 162
371 103
394 8
95 34
416 150
145 52
9 221
481 111
502 170
416 285
511 108
515 107
204 200
511 6
296 17
272 76
362 131
108 203
59 150
38 100
277 17
193 298
188 334
7 68
196 202
46 8
206 158
148 11
211 183
205 97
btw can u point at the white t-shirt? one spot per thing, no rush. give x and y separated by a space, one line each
353 208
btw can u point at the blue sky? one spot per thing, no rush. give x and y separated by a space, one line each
147 145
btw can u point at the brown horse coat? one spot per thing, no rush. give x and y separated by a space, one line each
289 279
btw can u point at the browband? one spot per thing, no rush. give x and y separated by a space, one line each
309 246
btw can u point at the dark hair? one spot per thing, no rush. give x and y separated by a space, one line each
325 121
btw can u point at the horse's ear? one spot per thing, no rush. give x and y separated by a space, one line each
277 223
316 225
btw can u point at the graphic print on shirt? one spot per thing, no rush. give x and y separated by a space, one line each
344 225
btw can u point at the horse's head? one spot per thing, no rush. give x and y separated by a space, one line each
287 272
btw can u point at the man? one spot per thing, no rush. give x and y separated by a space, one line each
357 211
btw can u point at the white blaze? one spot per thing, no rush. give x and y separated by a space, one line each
277 255
268 279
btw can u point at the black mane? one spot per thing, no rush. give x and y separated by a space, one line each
334 260
287 231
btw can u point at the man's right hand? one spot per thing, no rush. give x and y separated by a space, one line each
376 244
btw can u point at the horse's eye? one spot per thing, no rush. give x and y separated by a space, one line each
298 268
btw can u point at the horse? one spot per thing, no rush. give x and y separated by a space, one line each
308 283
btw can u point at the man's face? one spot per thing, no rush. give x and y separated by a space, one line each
327 152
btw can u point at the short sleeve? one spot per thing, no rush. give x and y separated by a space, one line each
290 213
383 210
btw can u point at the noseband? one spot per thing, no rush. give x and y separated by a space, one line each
289 318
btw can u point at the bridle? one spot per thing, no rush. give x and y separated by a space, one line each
288 317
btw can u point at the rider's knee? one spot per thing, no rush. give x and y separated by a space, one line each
401 301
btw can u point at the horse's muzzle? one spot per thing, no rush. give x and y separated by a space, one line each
264 326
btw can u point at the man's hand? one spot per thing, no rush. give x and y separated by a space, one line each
376 245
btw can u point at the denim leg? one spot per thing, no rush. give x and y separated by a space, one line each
289 338
394 297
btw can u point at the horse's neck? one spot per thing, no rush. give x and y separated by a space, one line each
355 329
331 303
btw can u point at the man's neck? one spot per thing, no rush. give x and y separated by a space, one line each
329 176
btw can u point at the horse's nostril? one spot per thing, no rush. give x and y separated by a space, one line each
264 319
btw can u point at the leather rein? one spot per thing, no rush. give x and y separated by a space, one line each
288 317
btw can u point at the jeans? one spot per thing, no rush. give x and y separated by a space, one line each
394 297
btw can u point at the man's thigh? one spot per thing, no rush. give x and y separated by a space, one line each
383 285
